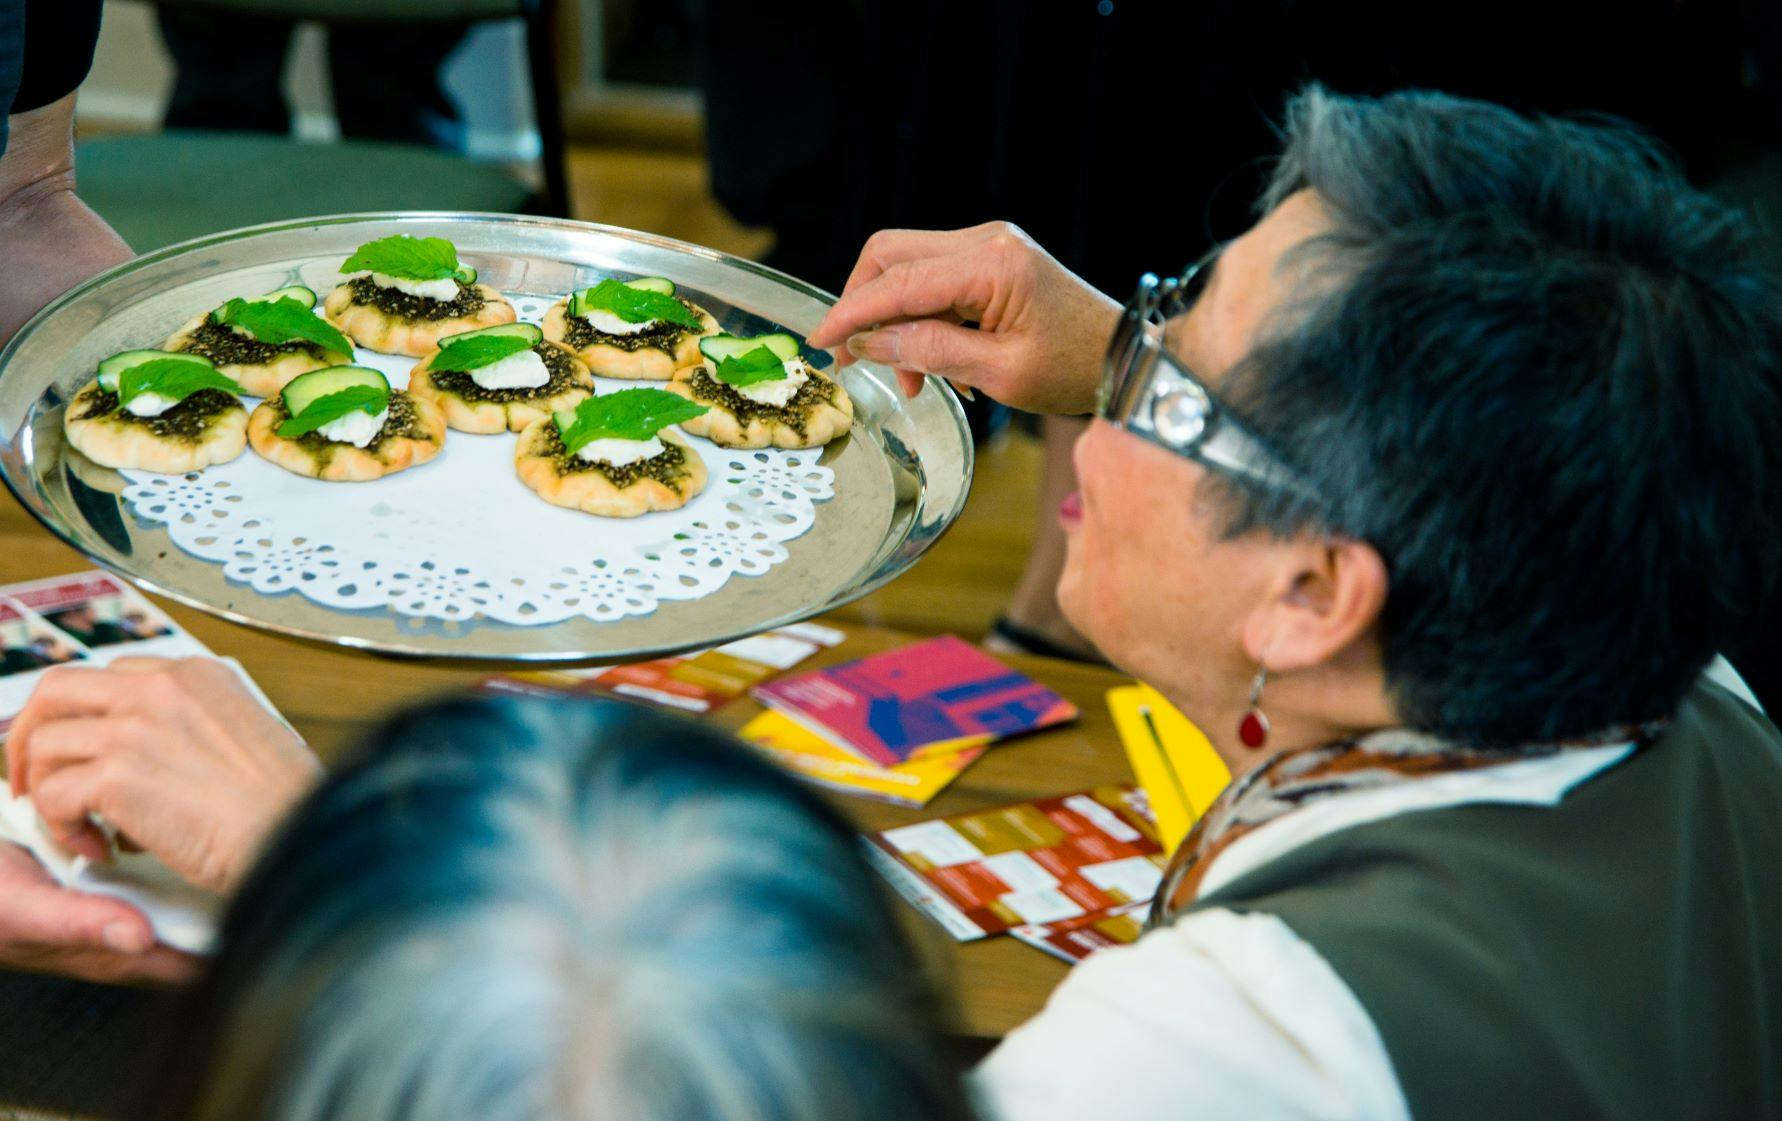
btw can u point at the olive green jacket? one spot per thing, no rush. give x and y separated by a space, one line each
1618 955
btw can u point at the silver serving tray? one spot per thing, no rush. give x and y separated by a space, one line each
901 476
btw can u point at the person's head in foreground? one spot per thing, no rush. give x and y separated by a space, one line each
533 909
1507 463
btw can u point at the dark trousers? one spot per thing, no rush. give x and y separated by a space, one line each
230 75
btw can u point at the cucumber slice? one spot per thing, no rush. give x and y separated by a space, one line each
527 331
113 367
465 273
304 390
304 296
720 347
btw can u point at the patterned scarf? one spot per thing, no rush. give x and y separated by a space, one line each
1305 775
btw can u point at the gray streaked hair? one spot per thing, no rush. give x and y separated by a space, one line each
1538 373
521 910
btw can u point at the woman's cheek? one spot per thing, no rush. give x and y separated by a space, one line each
1106 565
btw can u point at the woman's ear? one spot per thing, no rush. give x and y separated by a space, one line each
1326 595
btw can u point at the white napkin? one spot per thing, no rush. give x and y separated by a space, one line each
183 916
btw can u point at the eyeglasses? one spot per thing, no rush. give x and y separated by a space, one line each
1147 392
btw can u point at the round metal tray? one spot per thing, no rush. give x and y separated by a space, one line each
901 476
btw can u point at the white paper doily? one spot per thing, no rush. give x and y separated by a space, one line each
462 537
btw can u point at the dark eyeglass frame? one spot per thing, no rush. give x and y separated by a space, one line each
1148 392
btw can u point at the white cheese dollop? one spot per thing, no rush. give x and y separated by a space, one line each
525 370
620 452
443 289
150 404
357 428
778 392
607 322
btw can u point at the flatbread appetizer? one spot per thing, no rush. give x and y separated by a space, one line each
346 425
264 343
154 411
760 393
403 294
617 456
500 379
637 329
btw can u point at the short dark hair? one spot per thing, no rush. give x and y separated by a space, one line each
1536 370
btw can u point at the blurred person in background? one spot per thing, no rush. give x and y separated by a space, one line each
229 75
538 909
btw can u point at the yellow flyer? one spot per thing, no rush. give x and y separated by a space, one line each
1172 759
817 760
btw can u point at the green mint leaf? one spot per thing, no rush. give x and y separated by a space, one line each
635 305
466 355
173 378
324 410
629 414
281 321
412 258
758 365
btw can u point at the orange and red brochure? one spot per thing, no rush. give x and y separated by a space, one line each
1073 856
698 682
1073 940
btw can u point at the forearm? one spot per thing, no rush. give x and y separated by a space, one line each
49 240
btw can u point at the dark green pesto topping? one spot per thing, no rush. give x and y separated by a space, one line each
403 421
664 336
469 301
793 414
188 420
556 360
667 467
225 347
101 402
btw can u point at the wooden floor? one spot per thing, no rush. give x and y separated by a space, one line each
961 585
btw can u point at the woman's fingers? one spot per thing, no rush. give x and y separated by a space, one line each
47 928
66 801
178 755
929 346
139 664
845 357
80 692
892 247
72 742
41 912
65 692
917 289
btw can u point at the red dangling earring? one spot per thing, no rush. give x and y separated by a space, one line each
1253 728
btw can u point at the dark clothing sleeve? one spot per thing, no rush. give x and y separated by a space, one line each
62 36
12 59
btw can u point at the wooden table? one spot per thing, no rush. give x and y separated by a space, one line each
333 697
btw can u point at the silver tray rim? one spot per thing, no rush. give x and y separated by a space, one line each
905 557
